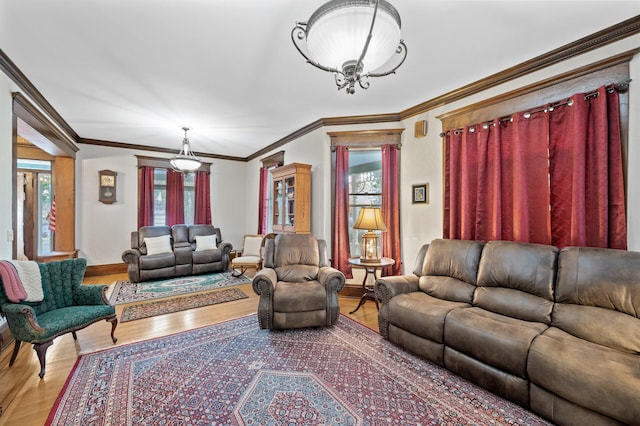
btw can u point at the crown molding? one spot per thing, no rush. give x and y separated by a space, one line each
123 145
586 44
18 77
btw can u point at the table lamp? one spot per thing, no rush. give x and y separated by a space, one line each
370 219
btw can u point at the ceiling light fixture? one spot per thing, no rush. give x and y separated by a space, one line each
353 39
186 161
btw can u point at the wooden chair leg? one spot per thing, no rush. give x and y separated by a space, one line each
114 324
14 355
41 350
75 336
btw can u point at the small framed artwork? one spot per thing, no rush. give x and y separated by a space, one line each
420 194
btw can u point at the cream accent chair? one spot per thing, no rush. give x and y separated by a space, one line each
250 257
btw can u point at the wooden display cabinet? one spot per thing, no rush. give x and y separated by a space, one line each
292 199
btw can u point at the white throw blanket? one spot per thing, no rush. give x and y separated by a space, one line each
29 273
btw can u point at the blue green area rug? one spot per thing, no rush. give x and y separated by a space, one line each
233 373
127 292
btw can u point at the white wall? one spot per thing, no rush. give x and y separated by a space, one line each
6 194
104 230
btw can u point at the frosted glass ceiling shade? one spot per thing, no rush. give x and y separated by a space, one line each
354 39
340 35
185 161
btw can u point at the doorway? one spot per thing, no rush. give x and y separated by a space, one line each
35 209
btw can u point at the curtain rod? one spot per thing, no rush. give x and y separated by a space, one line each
621 87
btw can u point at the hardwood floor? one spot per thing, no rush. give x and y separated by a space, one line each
27 399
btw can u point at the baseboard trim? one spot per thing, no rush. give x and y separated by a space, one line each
113 268
351 290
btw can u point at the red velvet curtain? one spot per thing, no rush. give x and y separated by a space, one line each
202 187
551 176
587 189
145 196
391 209
340 250
175 198
263 202
498 181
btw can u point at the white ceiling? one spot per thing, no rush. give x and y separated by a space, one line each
136 71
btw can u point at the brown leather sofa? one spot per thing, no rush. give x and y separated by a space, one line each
556 331
181 258
297 287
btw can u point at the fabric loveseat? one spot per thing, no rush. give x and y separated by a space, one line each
67 307
556 331
164 252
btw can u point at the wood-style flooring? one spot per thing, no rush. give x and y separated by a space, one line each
26 399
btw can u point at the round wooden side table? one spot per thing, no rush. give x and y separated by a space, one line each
370 271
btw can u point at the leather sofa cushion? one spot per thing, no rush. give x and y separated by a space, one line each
206 256
590 375
605 278
453 258
599 325
526 267
514 303
150 232
497 340
421 314
157 261
298 250
202 230
299 297
297 273
447 288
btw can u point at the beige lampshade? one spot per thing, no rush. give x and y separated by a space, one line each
370 219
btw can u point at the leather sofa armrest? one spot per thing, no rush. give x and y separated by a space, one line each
388 287
264 282
131 256
225 247
332 279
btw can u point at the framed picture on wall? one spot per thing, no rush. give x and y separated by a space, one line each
420 193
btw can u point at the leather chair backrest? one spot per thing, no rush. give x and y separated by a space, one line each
450 268
517 280
598 296
150 231
180 233
197 230
295 257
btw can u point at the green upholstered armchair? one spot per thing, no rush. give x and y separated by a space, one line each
68 306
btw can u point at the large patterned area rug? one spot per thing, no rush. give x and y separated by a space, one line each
182 303
232 373
127 292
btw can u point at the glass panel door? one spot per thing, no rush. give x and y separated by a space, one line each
290 189
278 194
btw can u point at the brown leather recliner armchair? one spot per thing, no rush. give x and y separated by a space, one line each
297 287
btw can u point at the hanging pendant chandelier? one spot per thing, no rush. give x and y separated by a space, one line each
353 39
186 161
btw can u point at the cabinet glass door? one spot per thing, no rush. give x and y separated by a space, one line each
290 190
278 196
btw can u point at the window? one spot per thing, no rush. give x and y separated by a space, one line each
365 190
160 197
